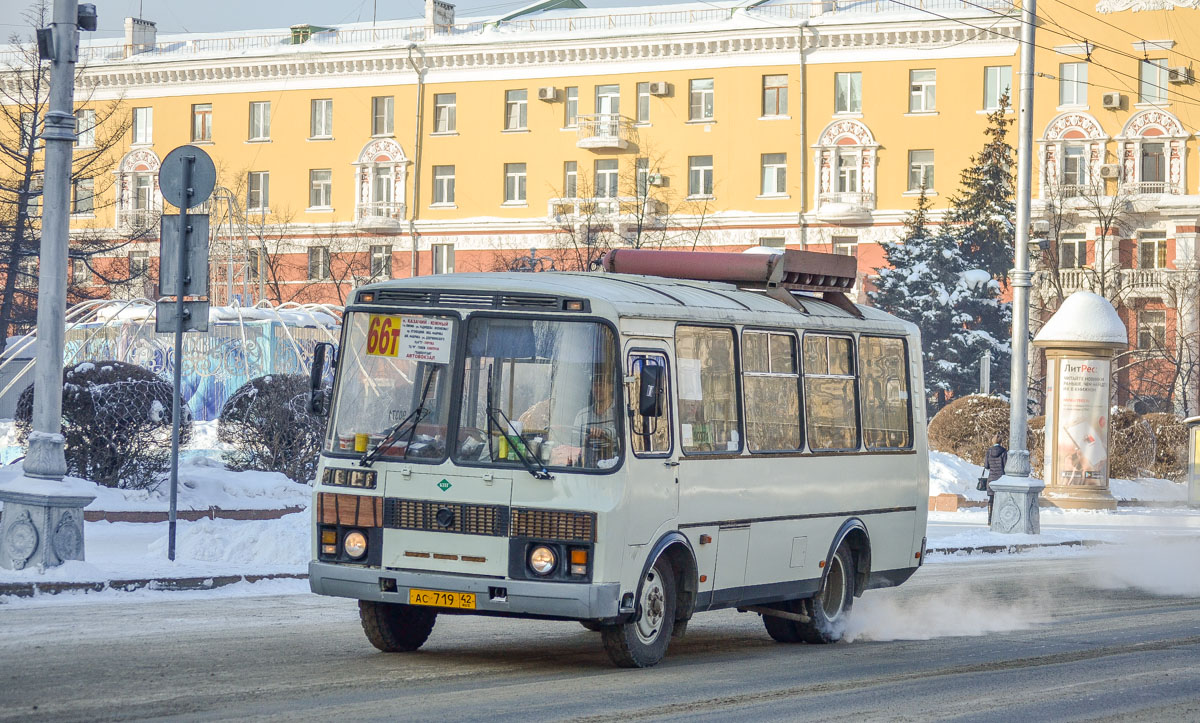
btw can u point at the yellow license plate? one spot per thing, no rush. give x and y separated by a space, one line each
442 599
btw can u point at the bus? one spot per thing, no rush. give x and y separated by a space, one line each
676 433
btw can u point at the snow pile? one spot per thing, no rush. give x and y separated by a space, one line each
1084 317
258 544
940 613
1163 566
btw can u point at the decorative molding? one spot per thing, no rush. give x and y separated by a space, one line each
1154 118
1064 123
1115 6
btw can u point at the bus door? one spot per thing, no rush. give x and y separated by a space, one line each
652 466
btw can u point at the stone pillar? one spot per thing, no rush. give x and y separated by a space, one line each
38 529
1080 340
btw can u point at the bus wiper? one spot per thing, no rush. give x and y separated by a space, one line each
408 424
497 418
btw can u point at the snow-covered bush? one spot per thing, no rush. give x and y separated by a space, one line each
1130 445
116 418
268 424
1170 446
967 426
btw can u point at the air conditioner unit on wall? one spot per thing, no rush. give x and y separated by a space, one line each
1110 170
656 179
660 88
1179 75
548 93
1112 101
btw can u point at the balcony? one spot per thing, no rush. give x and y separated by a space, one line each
1151 187
380 217
139 219
1126 282
846 207
604 132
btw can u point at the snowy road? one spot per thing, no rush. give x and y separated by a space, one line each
1072 636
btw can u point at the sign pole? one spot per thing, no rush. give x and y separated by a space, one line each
176 407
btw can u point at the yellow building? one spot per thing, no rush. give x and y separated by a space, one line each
567 130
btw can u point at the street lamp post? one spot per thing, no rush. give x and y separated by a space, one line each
42 524
1015 505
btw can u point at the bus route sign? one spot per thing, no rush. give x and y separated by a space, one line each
418 338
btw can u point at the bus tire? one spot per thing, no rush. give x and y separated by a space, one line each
643 642
781 630
830 607
395 627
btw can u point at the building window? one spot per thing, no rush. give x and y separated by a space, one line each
1074 170
381 261
570 179
1153 86
255 263
258 191
516 108
847 172
847 94
260 120
997 83
382 184
80 273
1072 251
643 102
829 392
608 99
321 122
1153 167
445 112
771 388
139 263
922 91
27 272
606 178
774 174
382 108
571 108
1152 250
443 184
443 258
28 130
320 188
85 128
772 242
202 122
82 196
143 191
700 175
700 99
1152 329
318 263
641 177
920 170
845 245
774 95
708 404
143 125
514 183
1072 83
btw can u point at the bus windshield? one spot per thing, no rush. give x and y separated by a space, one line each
392 399
540 389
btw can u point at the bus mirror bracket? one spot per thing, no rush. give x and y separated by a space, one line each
317 403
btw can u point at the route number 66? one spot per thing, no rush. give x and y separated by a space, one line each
383 335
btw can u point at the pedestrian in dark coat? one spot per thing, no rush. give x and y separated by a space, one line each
993 463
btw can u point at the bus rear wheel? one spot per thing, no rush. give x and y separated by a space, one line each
395 627
643 642
830 607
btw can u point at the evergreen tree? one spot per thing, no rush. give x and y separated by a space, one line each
981 214
930 283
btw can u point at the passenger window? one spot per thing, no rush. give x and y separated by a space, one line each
650 436
708 409
771 385
884 383
829 392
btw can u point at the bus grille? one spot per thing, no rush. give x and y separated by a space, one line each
553 524
462 518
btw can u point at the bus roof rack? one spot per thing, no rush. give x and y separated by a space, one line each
777 275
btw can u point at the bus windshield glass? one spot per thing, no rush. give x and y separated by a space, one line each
539 390
392 400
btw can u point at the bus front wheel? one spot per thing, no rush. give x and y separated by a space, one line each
395 627
643 642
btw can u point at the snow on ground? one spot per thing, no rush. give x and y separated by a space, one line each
949 474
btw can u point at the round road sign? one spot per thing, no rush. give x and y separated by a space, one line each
171 174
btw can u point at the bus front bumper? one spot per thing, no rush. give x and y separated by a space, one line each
579 601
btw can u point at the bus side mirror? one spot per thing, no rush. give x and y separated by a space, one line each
317 403
650 391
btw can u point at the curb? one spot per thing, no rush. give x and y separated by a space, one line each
1023 547
212 513
17 589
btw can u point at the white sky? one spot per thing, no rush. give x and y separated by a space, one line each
202 16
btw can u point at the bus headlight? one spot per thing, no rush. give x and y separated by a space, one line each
541 560
355 544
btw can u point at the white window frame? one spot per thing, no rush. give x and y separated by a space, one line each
258 191
1078 245
85 128
383 115
641 176
320 118
202 122
920 169
1152 81
1152 323
606 177
1072 84
922 90
143 191
847 93
443 185
320 188
516 109
78 185
1074 154
143 126
381 261
774 96
442 256
445 113
515 180
1156 241
845 245
318 271
848 171
700 176
997 80
28 131
383 183
643 102
139 263
571 107
570 179
701 99
773 179
260 120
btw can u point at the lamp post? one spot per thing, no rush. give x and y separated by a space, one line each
42 524
1016 494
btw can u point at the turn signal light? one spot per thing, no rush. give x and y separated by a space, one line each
366 297
328 537
579 556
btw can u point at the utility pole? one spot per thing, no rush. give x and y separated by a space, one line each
42 524
1015 505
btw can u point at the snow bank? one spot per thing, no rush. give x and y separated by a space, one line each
1084 317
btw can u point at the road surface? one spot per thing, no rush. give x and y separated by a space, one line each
1061 648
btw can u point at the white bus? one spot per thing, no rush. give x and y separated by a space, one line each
621 449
